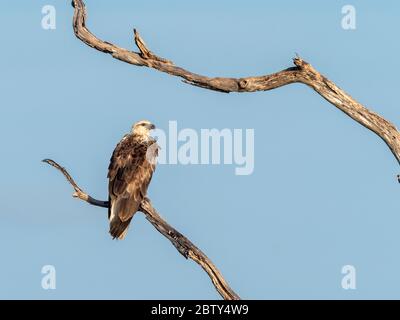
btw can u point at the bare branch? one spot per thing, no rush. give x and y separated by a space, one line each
303 72
181 243
79 193
188 250
145 52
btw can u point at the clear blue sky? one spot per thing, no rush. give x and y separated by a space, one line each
323 193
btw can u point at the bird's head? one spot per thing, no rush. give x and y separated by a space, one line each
142 128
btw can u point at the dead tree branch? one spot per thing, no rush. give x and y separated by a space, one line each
303 72
181 243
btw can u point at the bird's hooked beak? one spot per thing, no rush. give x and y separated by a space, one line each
151 126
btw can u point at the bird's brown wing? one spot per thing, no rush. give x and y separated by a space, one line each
129 176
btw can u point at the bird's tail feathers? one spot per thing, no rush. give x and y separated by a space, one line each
119 228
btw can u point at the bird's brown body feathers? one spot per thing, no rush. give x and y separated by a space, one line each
129 174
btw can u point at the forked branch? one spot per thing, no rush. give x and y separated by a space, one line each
302 72
181 243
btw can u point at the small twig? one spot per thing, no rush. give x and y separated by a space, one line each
181 243
145 52
79 193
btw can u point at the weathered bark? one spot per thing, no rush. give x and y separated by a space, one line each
303 72
181 243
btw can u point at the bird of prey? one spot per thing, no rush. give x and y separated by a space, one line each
131 168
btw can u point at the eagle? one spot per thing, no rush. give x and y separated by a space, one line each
130 171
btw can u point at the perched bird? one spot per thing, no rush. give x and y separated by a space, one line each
131 168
